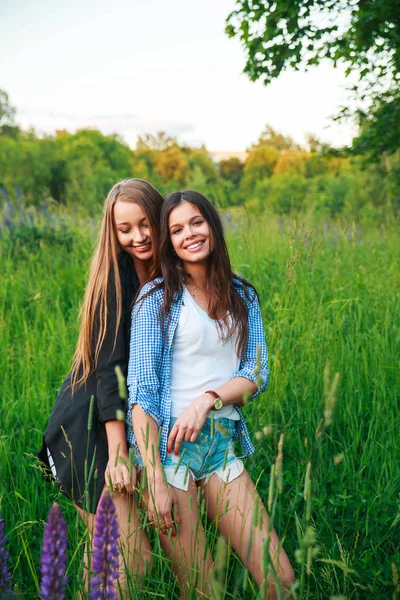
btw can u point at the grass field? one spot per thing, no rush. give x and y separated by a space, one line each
331 305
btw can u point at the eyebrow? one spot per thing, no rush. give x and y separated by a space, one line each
126 222
190 220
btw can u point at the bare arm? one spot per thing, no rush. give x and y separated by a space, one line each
119 473
192 419
163 505
235 391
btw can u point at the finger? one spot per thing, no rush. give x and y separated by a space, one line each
168 523
188 434
107 478
133 476
127 481
151 517
194 435
172 436
178 441
129 484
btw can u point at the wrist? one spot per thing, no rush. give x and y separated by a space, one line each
209 401
215 400
119 450
159 481
203 404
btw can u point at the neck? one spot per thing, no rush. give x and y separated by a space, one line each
142 269
197 274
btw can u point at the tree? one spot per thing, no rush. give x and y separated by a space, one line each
199 159
171 165
259 165
7 112
270 137
231 169
291 162
160 141
364 35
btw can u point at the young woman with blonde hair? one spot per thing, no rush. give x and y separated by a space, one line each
197 351
87 462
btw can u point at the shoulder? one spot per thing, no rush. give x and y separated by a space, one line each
247 291
152 292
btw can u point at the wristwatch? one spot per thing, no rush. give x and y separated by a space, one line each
218 404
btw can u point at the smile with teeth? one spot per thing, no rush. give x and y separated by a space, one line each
195 245
142 247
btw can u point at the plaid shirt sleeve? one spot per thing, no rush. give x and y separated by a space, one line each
254 364
145 359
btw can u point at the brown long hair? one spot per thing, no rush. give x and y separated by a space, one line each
105 264
225 305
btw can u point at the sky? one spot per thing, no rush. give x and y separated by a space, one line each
142 66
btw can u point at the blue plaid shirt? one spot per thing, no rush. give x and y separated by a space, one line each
150 361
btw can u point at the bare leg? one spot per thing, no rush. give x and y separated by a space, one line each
191 559
232 506
135 556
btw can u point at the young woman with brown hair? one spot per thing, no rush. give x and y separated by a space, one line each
86 462
197 351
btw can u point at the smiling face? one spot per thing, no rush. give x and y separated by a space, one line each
190 233
133 230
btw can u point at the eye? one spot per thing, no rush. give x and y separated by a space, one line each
175 231
124 230
197 223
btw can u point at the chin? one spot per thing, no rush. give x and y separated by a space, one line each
142 256
197 259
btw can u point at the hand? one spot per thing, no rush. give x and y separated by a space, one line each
163 507
119 475
189 423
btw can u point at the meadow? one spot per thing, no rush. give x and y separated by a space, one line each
330 299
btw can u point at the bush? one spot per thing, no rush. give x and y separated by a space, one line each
283 194
29 228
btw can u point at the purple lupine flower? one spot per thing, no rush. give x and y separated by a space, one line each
5 577
105 552
54 556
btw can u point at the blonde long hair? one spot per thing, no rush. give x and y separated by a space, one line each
104 262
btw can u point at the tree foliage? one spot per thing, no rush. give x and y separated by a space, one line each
259 164
7 112
172 165
270 137
160 141
231 169
77 170
364 35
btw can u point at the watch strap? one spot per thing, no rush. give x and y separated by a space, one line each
218 404
213 394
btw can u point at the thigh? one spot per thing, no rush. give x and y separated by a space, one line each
132 536
239 513
188 551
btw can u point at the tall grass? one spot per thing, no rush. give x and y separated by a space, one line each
330 300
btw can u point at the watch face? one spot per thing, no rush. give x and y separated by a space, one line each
218 404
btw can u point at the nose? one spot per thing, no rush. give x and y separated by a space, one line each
189 232
139 236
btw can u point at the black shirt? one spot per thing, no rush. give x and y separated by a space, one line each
80 453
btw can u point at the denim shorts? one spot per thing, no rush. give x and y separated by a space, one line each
211 453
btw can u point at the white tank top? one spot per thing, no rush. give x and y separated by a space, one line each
201 360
